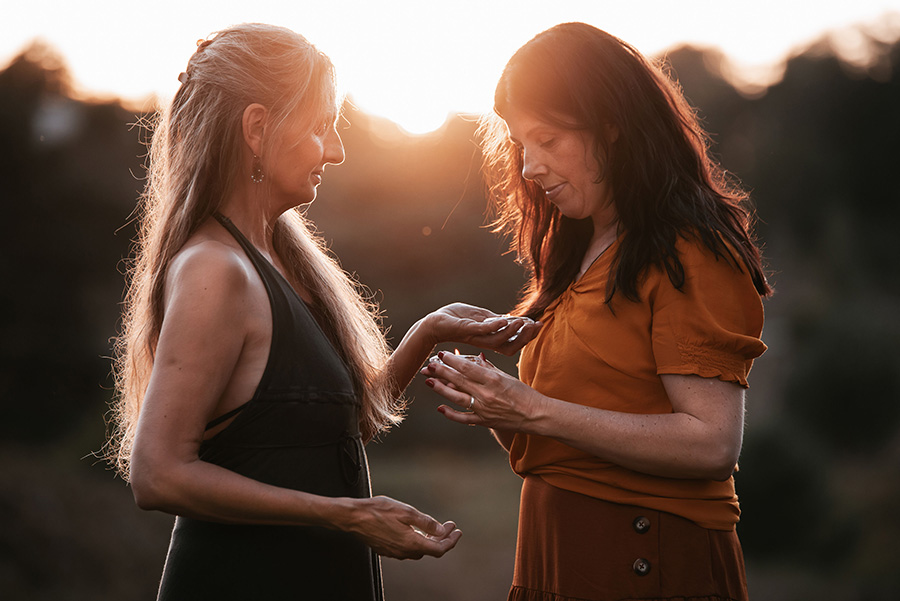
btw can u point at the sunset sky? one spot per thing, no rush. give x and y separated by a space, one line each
415 61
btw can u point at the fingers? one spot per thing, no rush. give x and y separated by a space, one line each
467 311
495 324
507 335
459 398
504 328
431 547
446 544
526 334
430 537
460 417
469 365
428 526
456 373
462 399
491 332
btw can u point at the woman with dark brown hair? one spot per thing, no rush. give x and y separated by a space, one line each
627 420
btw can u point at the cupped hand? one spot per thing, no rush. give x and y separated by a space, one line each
500 400
468 324
395 529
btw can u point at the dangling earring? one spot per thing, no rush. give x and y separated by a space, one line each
256 172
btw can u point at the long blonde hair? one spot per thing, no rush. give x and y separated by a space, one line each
195 148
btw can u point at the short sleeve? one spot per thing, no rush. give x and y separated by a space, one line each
712 326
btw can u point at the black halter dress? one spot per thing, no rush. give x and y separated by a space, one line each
300 431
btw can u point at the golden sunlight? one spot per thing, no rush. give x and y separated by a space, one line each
416 63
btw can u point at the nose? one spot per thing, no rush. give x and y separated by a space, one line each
334 148
531 166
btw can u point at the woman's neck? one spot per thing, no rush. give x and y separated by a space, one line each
603 238
248 213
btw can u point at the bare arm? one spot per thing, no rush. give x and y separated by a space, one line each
701 438
208 314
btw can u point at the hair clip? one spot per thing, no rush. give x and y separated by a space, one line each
183 77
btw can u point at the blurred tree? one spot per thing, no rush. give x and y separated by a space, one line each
784 498
845 386
66 185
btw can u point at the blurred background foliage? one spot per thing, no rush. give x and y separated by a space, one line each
818 482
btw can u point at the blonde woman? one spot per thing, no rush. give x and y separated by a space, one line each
250 370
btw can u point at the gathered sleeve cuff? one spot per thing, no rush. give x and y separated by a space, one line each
712 326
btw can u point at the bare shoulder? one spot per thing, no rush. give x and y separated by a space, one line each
209 265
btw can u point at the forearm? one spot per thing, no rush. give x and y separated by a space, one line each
411 353
206 491
672 445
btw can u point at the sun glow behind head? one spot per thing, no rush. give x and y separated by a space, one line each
416 63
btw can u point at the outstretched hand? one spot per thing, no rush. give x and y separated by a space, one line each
395 529
467 324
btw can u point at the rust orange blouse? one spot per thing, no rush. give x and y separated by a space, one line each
587 354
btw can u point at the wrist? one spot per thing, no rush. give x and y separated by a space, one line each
426 329
338 513
538 417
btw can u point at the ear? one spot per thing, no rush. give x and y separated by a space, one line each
253 125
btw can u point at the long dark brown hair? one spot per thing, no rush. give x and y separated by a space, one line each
664 183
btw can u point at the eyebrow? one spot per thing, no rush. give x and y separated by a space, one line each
528 133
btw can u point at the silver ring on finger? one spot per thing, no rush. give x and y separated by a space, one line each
471 402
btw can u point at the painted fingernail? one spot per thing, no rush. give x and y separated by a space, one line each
441 355
430 383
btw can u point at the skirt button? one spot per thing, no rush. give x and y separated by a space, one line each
641 567
641 524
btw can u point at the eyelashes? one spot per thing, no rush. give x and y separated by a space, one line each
545 145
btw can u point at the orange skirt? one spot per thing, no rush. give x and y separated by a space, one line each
572 547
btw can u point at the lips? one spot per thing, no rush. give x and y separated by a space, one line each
553 191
